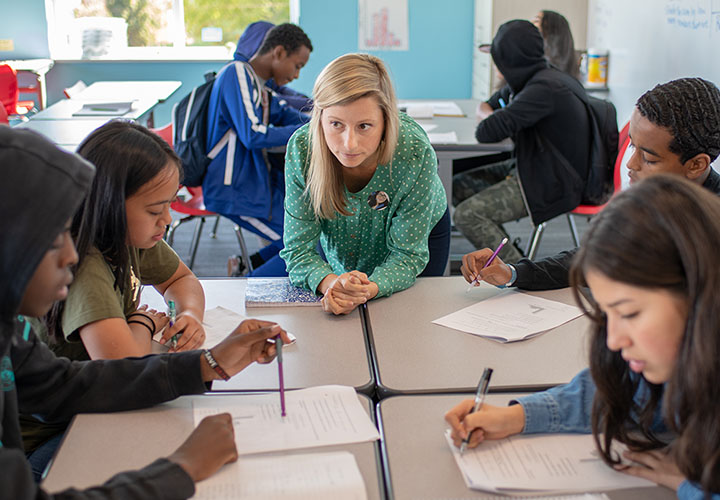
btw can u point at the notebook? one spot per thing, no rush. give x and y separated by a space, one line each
274 292
104 109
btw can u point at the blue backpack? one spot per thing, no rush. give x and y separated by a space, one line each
190 130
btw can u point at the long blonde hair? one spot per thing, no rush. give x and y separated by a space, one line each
344 80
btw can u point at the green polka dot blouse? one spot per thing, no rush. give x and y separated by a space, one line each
389 245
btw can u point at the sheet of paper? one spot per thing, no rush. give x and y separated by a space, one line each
318 416
218 323
510 316
557 463
418 110
320 476
104 109
428 109
443 137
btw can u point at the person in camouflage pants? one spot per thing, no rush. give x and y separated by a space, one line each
484 199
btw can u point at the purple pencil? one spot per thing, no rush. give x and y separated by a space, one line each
489 261
278 346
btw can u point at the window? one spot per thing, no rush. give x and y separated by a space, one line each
151 29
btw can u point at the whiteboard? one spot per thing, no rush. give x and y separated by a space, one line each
654 41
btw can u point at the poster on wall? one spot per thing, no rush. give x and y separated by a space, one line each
383 25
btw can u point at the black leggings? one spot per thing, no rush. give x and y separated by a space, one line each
439 246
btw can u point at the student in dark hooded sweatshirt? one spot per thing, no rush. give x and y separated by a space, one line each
40 188
549 125
248 45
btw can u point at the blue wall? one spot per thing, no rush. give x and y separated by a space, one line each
437 66
26 25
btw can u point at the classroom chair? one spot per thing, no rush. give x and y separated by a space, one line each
9 95
193 207
584 210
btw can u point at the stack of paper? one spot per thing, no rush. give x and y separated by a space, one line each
104 109
510 316
545 463
320 476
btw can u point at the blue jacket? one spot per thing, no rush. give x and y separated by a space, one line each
249 43
567 408
239 180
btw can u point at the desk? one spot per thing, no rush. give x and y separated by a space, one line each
98 446
466 147
413 355
329 350
67 134
37 68
64 109
419 463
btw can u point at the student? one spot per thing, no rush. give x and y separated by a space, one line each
558 41
41 187
248 45
549 125
119 231
244 182
654 348
675 129
362 180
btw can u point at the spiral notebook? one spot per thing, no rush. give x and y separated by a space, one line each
275 292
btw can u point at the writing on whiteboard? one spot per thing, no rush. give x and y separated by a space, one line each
688 16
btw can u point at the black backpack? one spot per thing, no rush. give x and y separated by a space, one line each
603 152
190 129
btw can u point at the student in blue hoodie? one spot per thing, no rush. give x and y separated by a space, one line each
248 45
245 181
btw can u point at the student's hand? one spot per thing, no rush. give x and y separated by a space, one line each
210 446
497 273
246 344
191 334
483 110
159 318
656 465
490 422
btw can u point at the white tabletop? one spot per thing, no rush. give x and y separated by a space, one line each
414 355
65 133
418 458
127 91
329 349
98 446
64 109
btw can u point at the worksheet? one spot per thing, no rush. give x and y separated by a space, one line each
318 416
320 476
510 316
552 463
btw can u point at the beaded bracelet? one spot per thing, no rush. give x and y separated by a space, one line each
214 365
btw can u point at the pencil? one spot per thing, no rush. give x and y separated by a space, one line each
278 346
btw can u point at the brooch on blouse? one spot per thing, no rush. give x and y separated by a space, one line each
378 200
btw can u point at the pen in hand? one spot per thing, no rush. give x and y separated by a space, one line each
489 261
482 390
172 313
278 346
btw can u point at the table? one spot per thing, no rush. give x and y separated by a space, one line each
37 68
418 462
64 109
413 355
98 446
329 350
67 134
466 147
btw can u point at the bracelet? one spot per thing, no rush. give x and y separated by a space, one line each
214 365
146 316
513 277
143 324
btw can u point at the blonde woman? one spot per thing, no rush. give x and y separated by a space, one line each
361 179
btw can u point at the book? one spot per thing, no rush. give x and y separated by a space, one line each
274 292
104 109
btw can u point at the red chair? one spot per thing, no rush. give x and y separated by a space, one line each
9 94
585 210
194 208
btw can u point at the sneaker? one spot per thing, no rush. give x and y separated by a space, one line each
236 266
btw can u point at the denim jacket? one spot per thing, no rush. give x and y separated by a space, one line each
567 408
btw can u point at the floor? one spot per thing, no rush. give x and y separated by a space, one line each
213 253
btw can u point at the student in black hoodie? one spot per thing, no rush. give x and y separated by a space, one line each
40 189
540 111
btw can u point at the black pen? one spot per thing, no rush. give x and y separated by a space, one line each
482 390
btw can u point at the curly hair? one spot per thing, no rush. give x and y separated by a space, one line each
690 109
289 35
